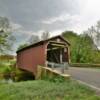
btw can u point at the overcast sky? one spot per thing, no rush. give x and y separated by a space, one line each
35 16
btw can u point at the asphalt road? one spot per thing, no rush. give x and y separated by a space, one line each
88 75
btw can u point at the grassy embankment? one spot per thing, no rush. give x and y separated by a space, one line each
55 89
46 90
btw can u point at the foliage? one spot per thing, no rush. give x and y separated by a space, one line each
94 33
4 23
54 78
33 39
22 46
6 57
46 90
73 39
82 47
4 66
96 57
8 70
85 47
45 35
6 37
5 70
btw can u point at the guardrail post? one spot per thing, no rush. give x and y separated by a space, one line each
52 65
62 68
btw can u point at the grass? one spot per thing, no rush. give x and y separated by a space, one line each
46 90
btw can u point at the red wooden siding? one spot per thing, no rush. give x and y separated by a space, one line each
30 58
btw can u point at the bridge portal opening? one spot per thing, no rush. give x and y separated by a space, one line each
57 53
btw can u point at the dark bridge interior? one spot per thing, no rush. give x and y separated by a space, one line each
57 52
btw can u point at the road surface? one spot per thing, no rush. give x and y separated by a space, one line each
90 76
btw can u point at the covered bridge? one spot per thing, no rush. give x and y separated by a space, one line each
55 49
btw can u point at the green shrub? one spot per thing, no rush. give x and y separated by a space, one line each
9 71
6 70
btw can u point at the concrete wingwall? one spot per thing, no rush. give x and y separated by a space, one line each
46 72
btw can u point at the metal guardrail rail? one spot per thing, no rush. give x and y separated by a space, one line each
61 66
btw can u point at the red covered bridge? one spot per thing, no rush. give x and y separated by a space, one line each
55 49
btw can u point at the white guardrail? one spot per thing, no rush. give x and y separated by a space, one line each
61 66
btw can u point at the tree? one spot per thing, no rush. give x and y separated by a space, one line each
81 47
72 37
94 33
22 46
6 37
33 39
84 49
4 24
45 35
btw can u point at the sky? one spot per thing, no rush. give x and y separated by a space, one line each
29 17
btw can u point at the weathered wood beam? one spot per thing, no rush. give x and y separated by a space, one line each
57 42
54 48
58 45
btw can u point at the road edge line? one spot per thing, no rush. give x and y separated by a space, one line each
89 85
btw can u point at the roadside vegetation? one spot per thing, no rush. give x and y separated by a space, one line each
84 47
9 73
46 90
